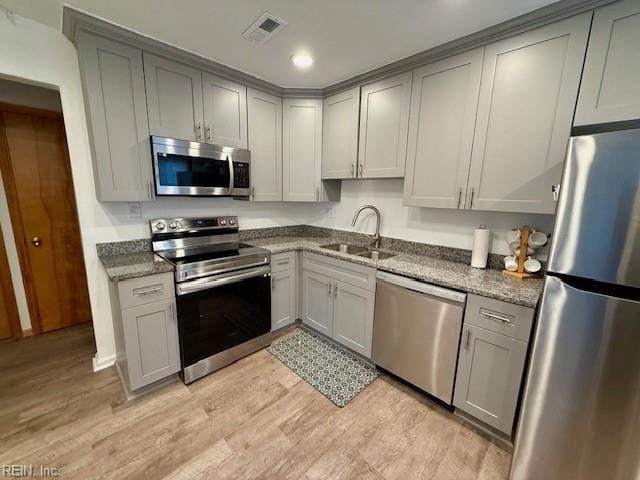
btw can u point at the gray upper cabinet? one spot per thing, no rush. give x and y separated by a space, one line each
225 111
610 90
444 102
174 99
340 135
527 99
384 122
265 143
117 115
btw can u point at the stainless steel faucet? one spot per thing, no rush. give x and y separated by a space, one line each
376 237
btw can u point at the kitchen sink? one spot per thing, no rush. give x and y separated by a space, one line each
346 248
376 255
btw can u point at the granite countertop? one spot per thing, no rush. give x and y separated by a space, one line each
122 266
459 276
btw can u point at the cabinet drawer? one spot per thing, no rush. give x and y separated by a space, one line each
348 272
514 321
281 262
143 290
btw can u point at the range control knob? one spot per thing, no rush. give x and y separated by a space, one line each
173 225
231 221
223 222
160 226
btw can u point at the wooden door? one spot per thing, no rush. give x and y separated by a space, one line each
490 371
117 112
317 301
610 89
174 99
9 320
225 111
37 178
444 102
340 135
302 149
527 99
265 143
384 122
353 317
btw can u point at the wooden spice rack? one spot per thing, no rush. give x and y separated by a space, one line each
520 274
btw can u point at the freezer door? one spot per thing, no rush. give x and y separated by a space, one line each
597 233
580 416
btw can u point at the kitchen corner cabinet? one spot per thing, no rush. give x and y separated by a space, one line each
491 361
384 122
174 98
610 90
265 143
527 99
302 152
340 134
145 329
338 300
444 102
113 81
283 289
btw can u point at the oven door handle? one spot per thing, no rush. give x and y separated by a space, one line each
220 280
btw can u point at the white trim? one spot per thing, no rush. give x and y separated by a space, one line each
104 362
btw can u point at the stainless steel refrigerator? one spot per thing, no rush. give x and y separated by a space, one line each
580 416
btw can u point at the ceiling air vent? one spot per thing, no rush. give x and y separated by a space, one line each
263 29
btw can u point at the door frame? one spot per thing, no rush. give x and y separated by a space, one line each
6 283
14 209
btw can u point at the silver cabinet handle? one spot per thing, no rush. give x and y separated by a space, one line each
353 169
361 168
198 131
141 292
555 191
273 284
335 290
496 317
171 312
330 288
317 194
253 194
471 198
467 340
209 129
459 197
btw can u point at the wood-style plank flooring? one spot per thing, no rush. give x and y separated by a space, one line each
253 419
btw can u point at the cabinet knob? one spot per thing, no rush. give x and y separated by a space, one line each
36 241
555 191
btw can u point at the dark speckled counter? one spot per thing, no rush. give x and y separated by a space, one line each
130 259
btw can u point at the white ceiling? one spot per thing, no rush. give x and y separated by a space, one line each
345 37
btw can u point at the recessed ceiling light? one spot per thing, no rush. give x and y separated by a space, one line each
302 60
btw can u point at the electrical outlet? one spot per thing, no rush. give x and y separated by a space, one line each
135 210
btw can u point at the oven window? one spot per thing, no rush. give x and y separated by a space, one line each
183 171
214 320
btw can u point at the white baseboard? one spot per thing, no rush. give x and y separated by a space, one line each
100 363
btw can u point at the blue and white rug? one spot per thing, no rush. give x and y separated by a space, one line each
332 370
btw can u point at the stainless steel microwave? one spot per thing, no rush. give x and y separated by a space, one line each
189 168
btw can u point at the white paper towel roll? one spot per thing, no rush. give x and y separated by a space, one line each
480 251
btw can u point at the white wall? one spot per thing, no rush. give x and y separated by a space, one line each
29 95
452 228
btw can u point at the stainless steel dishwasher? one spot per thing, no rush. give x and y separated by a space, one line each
416 332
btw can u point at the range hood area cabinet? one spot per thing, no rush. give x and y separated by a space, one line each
610 90
516 145
189 104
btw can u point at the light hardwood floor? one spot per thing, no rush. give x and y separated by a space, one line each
253 419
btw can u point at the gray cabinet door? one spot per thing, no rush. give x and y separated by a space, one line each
444 102
113 78
525 111
490 370
340 134
151 338
174 99
265 143
610 89
353 317
384 122
283 298
302 149
225 111
317 302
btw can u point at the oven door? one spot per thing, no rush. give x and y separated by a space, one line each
218 313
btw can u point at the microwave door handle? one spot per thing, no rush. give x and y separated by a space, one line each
231 182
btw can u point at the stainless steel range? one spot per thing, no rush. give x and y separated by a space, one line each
222 289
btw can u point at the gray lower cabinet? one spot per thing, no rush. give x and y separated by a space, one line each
283 289
338 300
146 329
113 81
491 361
610 90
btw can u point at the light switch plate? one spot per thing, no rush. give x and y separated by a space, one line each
135 210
